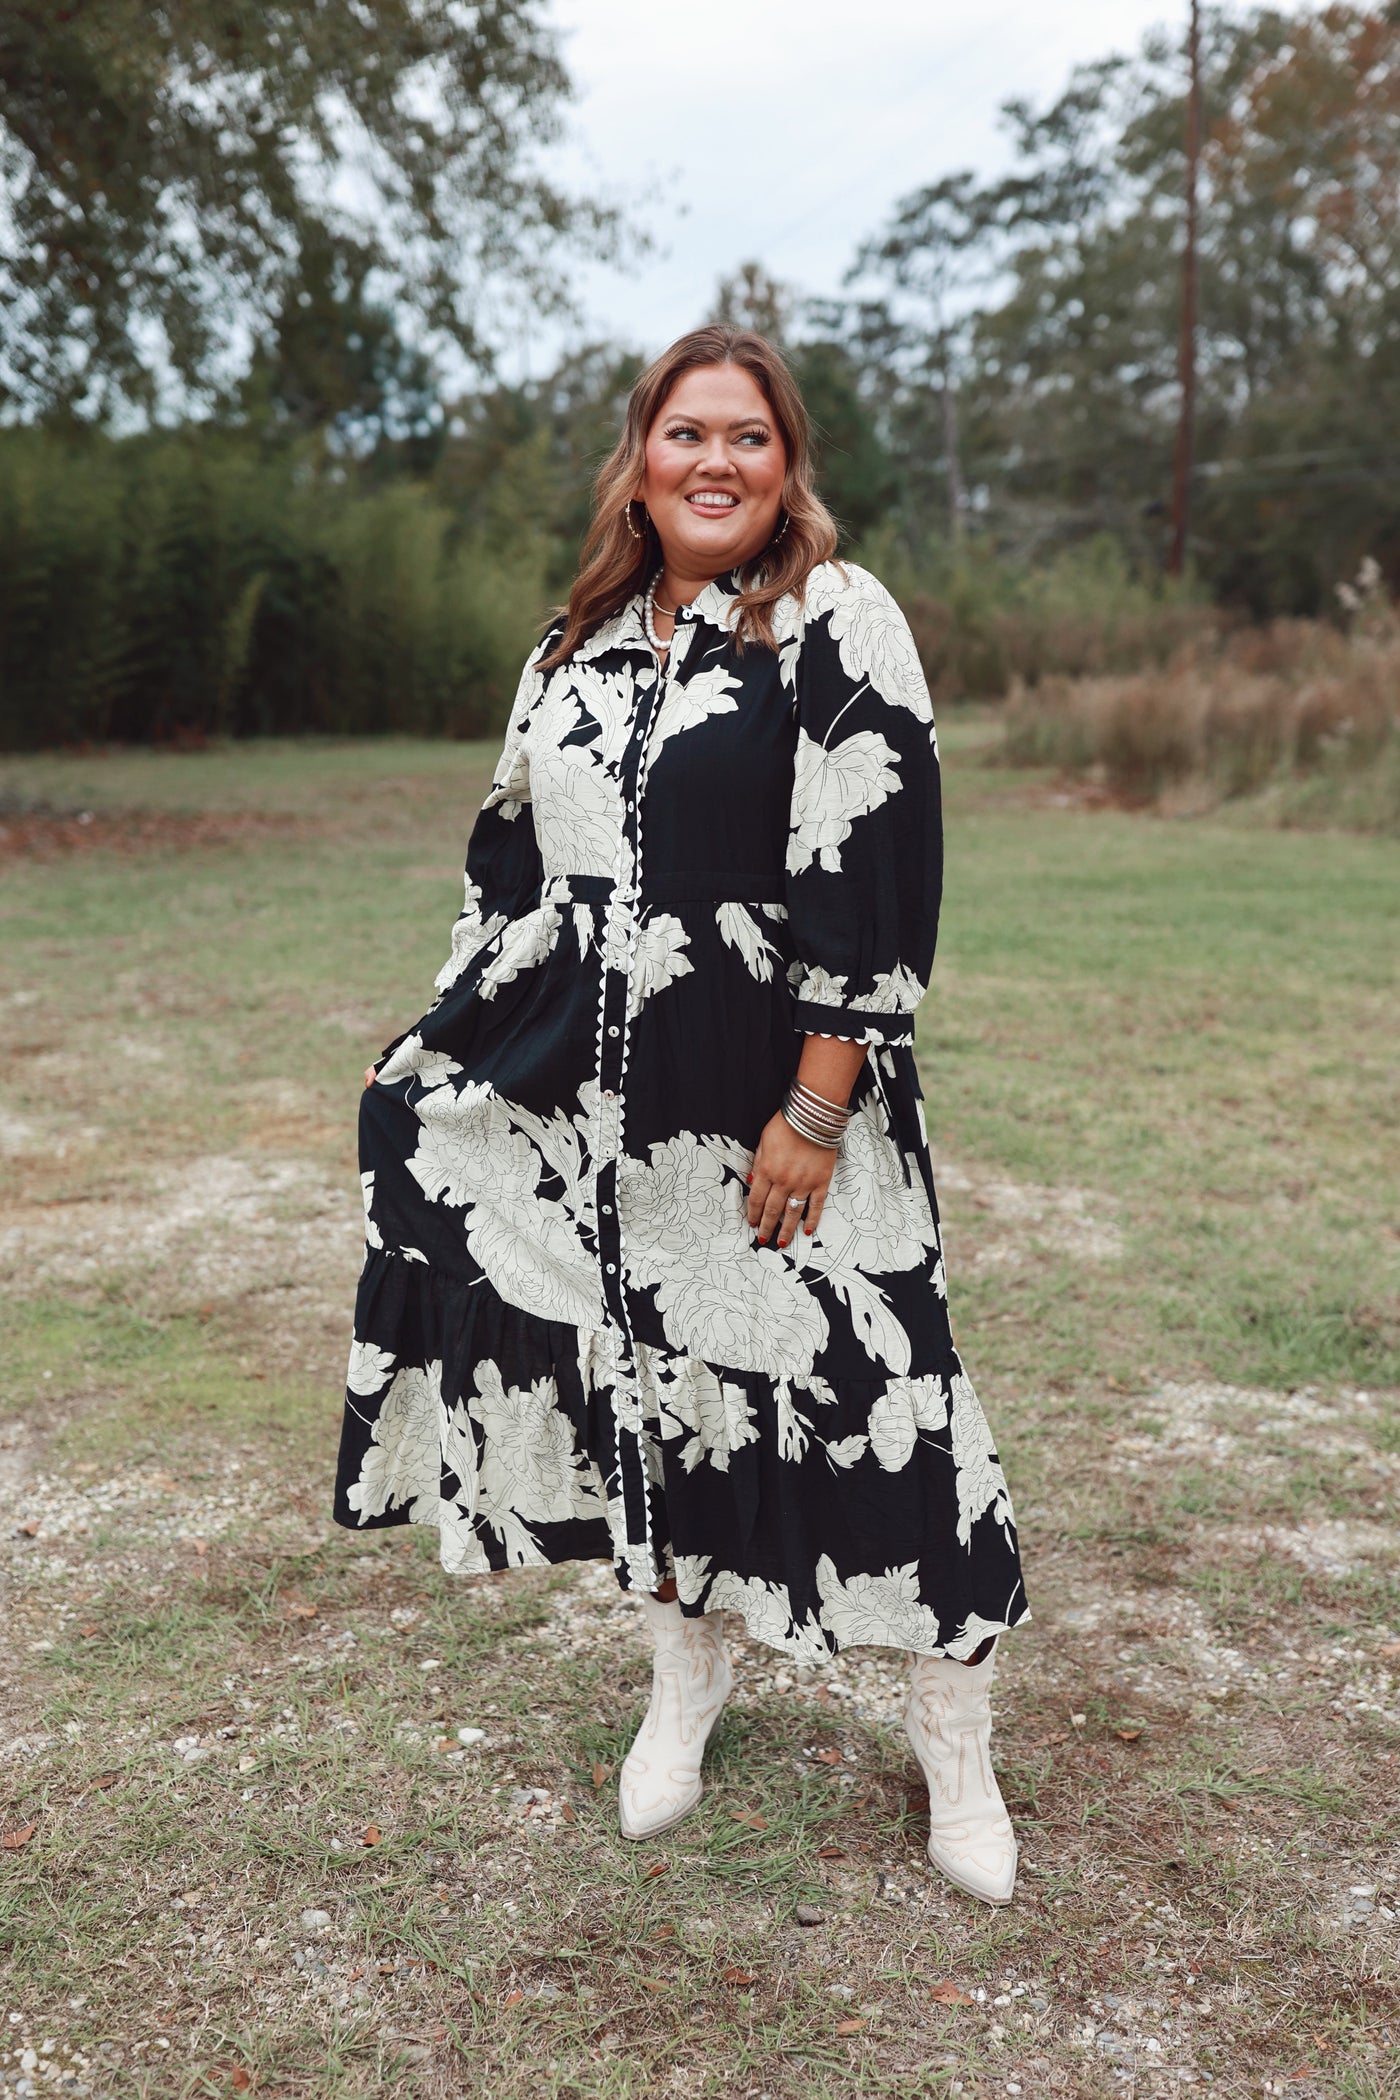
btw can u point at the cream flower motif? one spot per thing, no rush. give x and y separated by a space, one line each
975 1631
692 1572
818 987
373 1236
877 1610
831 789
454 1129
461 1550
529 1467
906 1406
766 1609
739 929
524 945
369 1368
981 1481
578 812
411 1060
845 1451
682 1213
469 936
606 698
659 959
715 1414
403 1463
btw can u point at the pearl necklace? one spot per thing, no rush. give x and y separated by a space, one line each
649 618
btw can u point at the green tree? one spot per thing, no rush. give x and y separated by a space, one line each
173 171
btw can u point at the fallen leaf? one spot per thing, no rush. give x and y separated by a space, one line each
1390 1648
300 1611
29 1530
514 1998
354 1975
750 1817
16 1840
949 1994
600 1775
200 1545
658 1866
239 2079
102 1782
1127 1735
569 1812
664 1932
88 1632
437 2034
1303 2071
739 1977
387 1968
850 2026
830 1852
651 1983
372 1835
828 1757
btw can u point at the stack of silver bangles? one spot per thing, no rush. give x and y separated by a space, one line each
821 1122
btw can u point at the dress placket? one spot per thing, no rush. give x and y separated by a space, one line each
622 920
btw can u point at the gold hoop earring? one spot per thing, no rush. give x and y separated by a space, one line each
787 520
627 519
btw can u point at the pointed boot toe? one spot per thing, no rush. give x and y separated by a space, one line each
660 1781
948 1720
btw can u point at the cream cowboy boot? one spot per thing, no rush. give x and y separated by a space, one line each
949 1722
691 1679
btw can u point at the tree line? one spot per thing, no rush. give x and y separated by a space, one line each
257 264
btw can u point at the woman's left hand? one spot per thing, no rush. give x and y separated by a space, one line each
785 1167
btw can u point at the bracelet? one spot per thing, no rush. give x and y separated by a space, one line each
813 1117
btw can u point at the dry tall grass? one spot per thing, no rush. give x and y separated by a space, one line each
1299 709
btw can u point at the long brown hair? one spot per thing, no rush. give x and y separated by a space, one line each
616 563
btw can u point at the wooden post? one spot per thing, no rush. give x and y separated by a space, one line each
1186 356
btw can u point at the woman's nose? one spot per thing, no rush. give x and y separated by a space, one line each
715 458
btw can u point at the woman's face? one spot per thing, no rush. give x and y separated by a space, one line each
715 465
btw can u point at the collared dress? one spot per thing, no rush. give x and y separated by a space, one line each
567 1345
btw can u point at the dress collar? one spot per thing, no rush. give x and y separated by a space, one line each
627 627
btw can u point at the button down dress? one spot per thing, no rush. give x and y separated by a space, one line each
567 1345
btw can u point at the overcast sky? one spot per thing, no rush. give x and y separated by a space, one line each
785 129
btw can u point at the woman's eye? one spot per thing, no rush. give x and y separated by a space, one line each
754 437
683 430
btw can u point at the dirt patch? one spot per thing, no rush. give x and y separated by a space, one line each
42 835
999 1224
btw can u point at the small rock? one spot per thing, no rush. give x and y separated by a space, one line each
315 1920
808 1914
471 1735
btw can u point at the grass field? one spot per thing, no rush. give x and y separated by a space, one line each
244 1849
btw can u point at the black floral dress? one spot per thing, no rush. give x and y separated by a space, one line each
566 1343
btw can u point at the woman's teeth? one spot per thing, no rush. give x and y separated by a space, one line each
712 501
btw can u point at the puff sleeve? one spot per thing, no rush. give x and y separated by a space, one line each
864 866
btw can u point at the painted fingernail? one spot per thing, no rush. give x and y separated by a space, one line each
748 1178
808 1230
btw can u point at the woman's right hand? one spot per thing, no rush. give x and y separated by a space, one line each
371 1075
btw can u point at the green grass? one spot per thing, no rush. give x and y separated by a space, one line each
1191 1025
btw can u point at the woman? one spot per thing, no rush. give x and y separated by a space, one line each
653 1264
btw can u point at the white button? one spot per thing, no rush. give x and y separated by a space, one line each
612 1268
607 1210
612 1031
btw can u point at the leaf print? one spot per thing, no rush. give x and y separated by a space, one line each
715 1413
524 945
844 1451
369 1368
831 789
461 1548
469 936
819 987
898 1414
578 813
606 699
981 1481
412 1061
876 646
691 1571
740 930
403 1463
585 932
766 1608
896 991
792 1427
883 1610
658 959
687 706
373 1237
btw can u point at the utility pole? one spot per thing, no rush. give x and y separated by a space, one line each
1186 357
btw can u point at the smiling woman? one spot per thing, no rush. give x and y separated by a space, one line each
654 1267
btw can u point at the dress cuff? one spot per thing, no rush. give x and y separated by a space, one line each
853 1024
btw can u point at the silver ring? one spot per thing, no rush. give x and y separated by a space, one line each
796 1202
